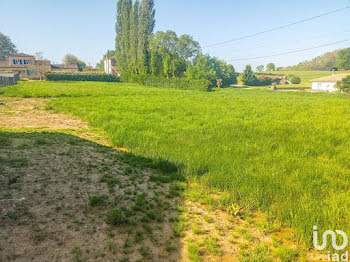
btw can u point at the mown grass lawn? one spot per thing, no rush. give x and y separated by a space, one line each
286 153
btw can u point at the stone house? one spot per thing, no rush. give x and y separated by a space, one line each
110 66
328 83
27 66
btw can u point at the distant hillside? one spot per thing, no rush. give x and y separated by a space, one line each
330 59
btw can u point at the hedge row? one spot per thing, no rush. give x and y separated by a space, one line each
98 77
178 83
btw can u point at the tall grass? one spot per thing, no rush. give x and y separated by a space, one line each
285 153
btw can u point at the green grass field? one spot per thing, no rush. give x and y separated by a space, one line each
305 76
285 153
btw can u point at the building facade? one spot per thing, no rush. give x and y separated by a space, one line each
27 66
110 66
328 83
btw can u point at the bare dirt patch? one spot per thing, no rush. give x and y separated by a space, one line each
31 113
63 198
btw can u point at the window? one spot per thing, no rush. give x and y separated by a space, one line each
20 61
28 72
14 61
24 61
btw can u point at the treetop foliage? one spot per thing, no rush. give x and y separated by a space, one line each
70 59
163 54
7 47
339 58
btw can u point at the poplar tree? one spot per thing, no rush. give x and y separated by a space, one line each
146 27
134 30
123 34
126 9
118 30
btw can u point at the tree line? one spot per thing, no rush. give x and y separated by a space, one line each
339 58
139 50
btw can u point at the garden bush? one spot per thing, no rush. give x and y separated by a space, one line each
157 81
97 77
295 80
344 85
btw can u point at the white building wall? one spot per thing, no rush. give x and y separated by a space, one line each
324 86
108 66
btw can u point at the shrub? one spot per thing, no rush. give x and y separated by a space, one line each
295 80
157 81
344 85
97 77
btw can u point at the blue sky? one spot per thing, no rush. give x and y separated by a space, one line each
85 28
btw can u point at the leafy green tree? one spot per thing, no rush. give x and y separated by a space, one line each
7 48
248 77
134 30
203 68
166 65
225 72
343 59
146 27
260 68
73 60
211 68
178 67
187 47
344 85
156 63
270 67
164 46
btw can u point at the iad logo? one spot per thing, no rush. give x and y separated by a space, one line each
335 256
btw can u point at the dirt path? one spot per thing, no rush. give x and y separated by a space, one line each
58 190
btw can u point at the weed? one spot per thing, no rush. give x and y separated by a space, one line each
14 161
287 254
147 228
176 189
145 252
116 217
260 253
77 254
23 146
208 219
110 180
41 141
211 245
95 201
140 202
110 244
196 229
179 227
128 170
138 237
170 247
13 180
194 252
